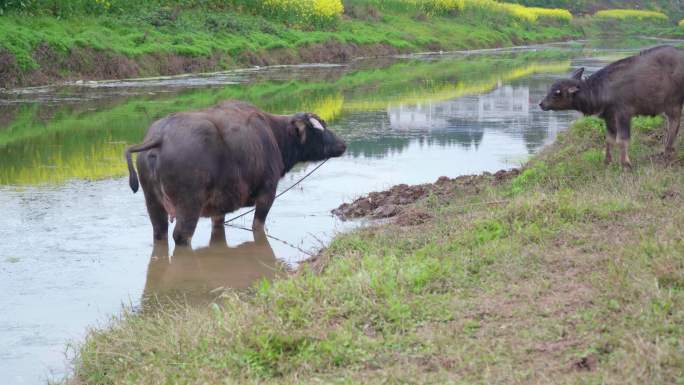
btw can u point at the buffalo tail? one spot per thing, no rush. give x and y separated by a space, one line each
132 175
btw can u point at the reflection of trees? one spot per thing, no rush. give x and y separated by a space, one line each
84 138
464 135
377 147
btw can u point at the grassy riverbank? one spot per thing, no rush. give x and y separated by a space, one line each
630 22
43 45
570 272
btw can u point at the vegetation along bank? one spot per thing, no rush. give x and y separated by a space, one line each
43 41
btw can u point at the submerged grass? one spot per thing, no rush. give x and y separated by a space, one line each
570 273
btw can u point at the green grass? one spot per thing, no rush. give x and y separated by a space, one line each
226 38
629 22
669 7
517 282
631 14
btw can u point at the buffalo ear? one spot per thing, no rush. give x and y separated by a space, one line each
300 125
577 74
316 124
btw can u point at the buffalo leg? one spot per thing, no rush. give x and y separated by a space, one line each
611 133
185 226
218 222
218 230
673 120
263 206
158 215
623 133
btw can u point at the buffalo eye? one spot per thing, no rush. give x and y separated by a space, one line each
557 92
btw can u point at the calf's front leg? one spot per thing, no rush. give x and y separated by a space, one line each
673 121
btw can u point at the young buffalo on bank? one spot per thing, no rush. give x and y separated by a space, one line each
649 83
214 161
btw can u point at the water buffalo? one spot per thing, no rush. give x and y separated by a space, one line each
210 162
649 83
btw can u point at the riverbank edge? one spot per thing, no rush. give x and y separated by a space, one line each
569 270
44 62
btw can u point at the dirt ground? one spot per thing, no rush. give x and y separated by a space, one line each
396 202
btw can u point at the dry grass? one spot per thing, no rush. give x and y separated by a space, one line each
577 277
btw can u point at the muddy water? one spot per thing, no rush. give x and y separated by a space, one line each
76 243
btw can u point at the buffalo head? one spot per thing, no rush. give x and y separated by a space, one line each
563 92
317 141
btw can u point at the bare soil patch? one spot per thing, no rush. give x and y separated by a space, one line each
394 202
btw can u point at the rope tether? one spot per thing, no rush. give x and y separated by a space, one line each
281 193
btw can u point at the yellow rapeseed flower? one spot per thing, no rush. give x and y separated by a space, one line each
623 14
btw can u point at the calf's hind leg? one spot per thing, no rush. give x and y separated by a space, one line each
611 133
623 133
673 121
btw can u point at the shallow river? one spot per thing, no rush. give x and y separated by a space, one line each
77 243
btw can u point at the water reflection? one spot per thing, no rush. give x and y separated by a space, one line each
47 142
504 103
198 276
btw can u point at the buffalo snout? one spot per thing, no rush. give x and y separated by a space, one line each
338 148
333 145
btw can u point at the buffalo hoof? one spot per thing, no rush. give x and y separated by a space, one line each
608 160
669 154
181 241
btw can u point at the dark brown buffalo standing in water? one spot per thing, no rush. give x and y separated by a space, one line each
649 83
214 161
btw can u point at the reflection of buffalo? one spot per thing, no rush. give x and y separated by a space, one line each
194 275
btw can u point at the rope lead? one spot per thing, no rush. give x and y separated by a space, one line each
227 223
